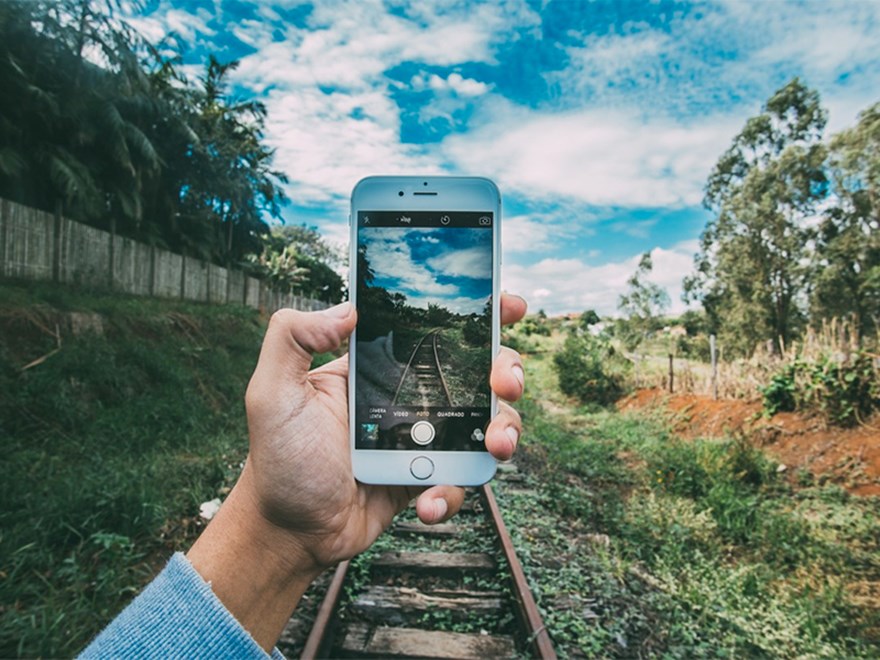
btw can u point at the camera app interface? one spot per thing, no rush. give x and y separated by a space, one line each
424 332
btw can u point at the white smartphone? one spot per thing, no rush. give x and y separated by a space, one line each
424 279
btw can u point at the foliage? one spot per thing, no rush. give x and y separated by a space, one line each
589 369
588 318
297 259
843 390
109 447
535 324
847 258
639 543
100 124
643 304
779 393
751 269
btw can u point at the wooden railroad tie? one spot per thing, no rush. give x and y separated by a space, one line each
434 563
361 641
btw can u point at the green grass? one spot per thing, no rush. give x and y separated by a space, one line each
110 445
639 543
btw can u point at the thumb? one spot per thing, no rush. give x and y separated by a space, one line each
293 336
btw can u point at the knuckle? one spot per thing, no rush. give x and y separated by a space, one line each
281 317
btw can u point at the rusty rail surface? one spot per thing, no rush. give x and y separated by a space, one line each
318 637
530 617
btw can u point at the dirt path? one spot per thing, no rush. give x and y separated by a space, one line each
850 457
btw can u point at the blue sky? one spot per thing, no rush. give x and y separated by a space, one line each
450 267
600 121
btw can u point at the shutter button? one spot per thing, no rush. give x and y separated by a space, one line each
422 432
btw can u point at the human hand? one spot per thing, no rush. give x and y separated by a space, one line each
297 503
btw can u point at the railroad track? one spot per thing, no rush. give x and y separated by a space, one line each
422 382
426 580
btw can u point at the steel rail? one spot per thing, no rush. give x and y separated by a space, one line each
527 609
318 637
440 370
412 357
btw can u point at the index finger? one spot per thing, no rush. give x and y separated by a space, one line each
513 308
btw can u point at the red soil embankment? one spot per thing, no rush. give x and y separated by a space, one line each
850 456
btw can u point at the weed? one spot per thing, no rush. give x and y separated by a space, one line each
111 444
706 551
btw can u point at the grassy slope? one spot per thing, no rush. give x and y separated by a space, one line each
640 544
109 447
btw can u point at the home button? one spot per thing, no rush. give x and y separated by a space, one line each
422 467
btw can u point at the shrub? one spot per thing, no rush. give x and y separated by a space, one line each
589 369
843 391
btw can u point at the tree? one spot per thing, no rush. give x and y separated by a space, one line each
96 120
751 272
588 318
643 305
309 265
847 259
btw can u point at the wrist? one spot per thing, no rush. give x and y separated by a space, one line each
258 570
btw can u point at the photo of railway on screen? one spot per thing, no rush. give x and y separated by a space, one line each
424 332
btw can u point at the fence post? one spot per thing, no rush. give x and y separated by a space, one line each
671 375
152 288
183 274
207 271
112 269
4 229
714 357
56 243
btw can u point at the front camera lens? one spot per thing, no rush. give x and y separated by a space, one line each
400 193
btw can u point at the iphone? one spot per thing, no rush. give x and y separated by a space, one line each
425 255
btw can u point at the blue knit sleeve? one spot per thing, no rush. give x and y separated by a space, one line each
176 616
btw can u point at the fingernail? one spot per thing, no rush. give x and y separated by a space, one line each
513 434
340 311
440 509
519 375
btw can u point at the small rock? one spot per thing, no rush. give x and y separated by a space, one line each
782 467
209 509
602 540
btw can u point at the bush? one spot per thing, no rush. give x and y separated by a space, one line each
842 391
589 369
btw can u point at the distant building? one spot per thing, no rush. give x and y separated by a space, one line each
675 331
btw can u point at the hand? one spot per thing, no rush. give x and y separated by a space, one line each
296 508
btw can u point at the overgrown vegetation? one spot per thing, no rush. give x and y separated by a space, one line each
110 444
99 123
640 544
589 368
844 392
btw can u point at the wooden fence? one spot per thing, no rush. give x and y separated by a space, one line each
37 245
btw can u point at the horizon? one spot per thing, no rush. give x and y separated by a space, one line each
600 122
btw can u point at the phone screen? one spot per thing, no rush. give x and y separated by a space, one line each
424 333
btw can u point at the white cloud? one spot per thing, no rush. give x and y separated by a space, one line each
731 53
570 285
390 258
469 262
455 82
525 233
594 156
327 141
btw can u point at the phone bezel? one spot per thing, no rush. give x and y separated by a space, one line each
381 193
